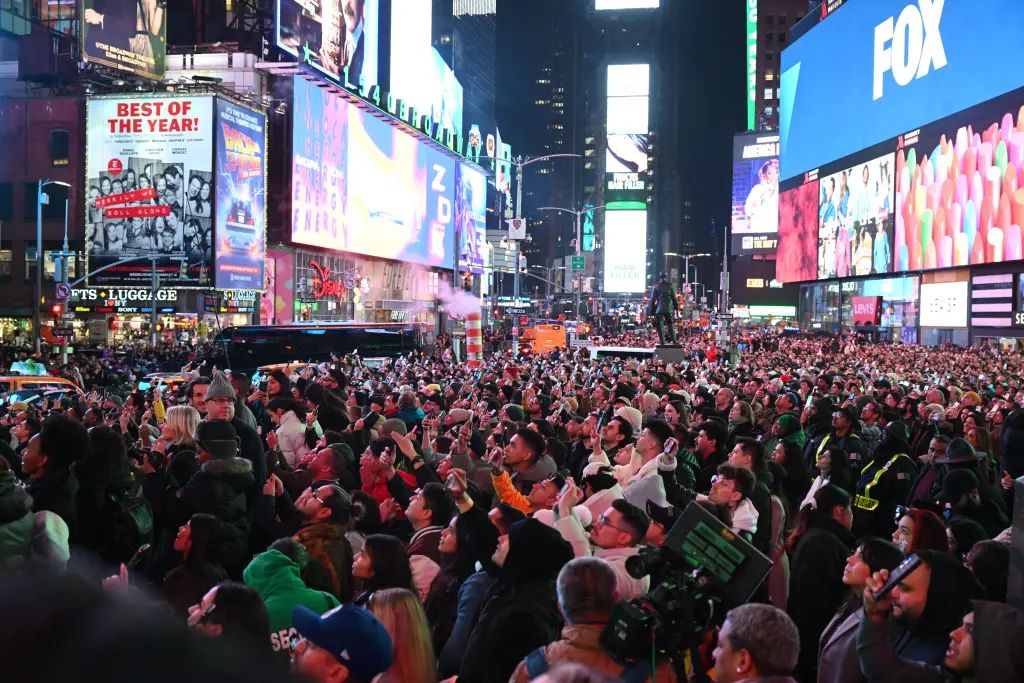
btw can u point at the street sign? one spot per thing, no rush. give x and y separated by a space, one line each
724 316
63 332
67 315
63 290
578 263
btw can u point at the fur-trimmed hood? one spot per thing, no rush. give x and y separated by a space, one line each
227 466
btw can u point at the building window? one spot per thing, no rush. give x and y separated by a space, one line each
769 76
769 57
768 93
60 147
6 201
769 20
6 259
782 37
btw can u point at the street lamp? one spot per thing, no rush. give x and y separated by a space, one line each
686 258
37 318
578 213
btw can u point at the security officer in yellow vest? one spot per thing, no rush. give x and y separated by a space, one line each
845 420
884 483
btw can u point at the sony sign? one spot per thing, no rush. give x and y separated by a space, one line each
909 46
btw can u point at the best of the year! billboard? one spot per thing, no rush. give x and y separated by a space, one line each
241 197
149 178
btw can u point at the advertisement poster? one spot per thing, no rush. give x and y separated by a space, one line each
331 35
241 198
797 257
363 186
755 194
471 217
625 252
855 220
149 186
131 36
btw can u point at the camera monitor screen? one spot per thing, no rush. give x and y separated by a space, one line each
728 560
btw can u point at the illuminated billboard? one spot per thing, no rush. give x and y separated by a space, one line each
130 36
625 252
944 304
957 196
625 4
363 186
471 218
797 255
855 229
419 75
877 69
755 193
335 37
627 146
149 177
240 209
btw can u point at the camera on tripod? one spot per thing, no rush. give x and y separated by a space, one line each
702 570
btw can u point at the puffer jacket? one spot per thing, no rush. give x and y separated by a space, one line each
291 438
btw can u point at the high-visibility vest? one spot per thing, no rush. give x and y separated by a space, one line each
865 501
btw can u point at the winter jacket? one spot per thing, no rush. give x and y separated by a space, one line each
520 614
291 438
816 586
581 644
219 488
330 559
57 491
278 580
472 597
186 585
16 522
837 658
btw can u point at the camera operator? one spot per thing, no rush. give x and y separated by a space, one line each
615 536
586 596
757 643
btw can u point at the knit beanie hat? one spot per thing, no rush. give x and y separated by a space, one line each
220 387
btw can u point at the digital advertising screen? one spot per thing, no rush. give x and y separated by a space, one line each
754 281
363 186
958 200
797 255
755 194
128 36
471 218
240 209
627 145
992 299
878 68
625 252
419 76
149 176
944 304
855 220
332 35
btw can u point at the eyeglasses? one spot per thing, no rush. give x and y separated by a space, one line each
316 496
603 521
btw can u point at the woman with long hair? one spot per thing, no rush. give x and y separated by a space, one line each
382 563
402 615
103 474
837 658
833 465
796 480
918 529
676 412
198 542
819 546
290 433
469 538
331 413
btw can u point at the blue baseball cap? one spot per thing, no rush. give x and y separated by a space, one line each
351 634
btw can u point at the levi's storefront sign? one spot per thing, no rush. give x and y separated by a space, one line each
867 310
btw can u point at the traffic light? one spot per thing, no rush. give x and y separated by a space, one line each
57 309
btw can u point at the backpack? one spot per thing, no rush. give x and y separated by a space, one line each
129 524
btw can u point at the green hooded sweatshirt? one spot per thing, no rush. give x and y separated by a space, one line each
277 578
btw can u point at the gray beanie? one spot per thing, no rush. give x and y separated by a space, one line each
220 387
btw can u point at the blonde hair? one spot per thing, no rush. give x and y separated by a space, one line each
400 612
183 421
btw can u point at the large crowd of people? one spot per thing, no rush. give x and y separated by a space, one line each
427 519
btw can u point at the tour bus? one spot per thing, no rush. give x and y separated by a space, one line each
249 347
